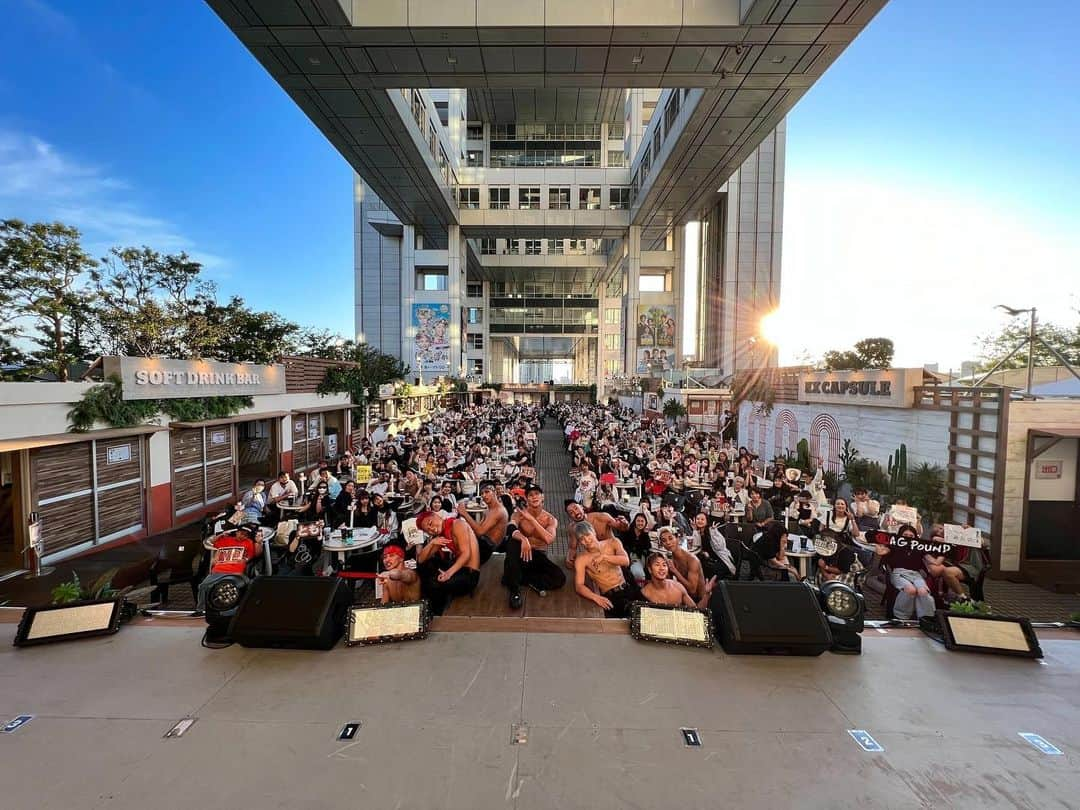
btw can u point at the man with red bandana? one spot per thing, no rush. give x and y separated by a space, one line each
398 583
449 564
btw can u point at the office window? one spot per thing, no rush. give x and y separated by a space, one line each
651 283
575 247
612 315
474 132
616 158
431 281
529 197
477 367
475 314
475 289
559 199
657 138
468 197
499 197
612 343
619 198
589 198
671 110
474 157
487 247
532 247
555 247
616 129
476 340
613 367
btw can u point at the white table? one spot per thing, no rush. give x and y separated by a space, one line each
364 540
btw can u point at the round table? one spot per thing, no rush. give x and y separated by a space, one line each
626 487
803 561
364 540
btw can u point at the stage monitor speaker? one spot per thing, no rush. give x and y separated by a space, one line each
300 613
42 625
769 618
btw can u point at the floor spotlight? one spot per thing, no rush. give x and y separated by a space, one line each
845 610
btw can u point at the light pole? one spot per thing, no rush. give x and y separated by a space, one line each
367 395
1028 341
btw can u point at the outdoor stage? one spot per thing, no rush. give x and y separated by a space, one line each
603 715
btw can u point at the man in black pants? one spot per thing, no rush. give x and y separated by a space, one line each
449 565
531 531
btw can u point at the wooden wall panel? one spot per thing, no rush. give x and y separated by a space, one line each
219 481
119 470
186 447
67 523
60 470
120 508
187 488
223 449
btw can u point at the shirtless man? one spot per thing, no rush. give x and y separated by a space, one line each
660 590
531 531
601 562
604 524
449 564
491 529
398 583
684 566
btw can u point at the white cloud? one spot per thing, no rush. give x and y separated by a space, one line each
38 182
919 265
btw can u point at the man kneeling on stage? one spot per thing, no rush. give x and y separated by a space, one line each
449 565
530 533
601 562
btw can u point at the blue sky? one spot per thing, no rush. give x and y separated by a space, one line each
930 174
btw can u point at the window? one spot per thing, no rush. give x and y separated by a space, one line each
589 198
619 198
500 197
613 367
441 109
431 281
616 129
487 247
651 283
559 199
575 247
671 110
433 138
468 197
555 247
474 157
532 247
475 290
612 315
529 197
476 340
616 158
656 141
477 367
612 342
474 132
475 315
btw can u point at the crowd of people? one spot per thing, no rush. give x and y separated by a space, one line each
658 514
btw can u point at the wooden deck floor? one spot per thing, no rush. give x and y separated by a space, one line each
490 600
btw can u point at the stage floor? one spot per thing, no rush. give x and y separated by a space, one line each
603 714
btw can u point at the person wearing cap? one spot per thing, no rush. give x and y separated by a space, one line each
530 533
397 583
449 564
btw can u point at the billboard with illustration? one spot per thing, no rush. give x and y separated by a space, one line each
655 339
432 325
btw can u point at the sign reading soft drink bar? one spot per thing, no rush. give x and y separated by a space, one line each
162 378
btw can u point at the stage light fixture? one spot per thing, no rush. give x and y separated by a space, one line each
378 624
42 625
221 605
845 611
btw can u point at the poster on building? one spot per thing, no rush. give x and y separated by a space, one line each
656 327
432 325
655 361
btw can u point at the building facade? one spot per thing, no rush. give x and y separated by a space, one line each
577 192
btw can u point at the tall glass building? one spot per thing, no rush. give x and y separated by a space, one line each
568 190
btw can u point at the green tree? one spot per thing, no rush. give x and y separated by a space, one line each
674 410
874 353
324 343
1063 337
42 267
366 368
245 335
153 304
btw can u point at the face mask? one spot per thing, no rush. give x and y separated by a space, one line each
258 490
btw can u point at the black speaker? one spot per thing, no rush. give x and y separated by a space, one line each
769 618
300 613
